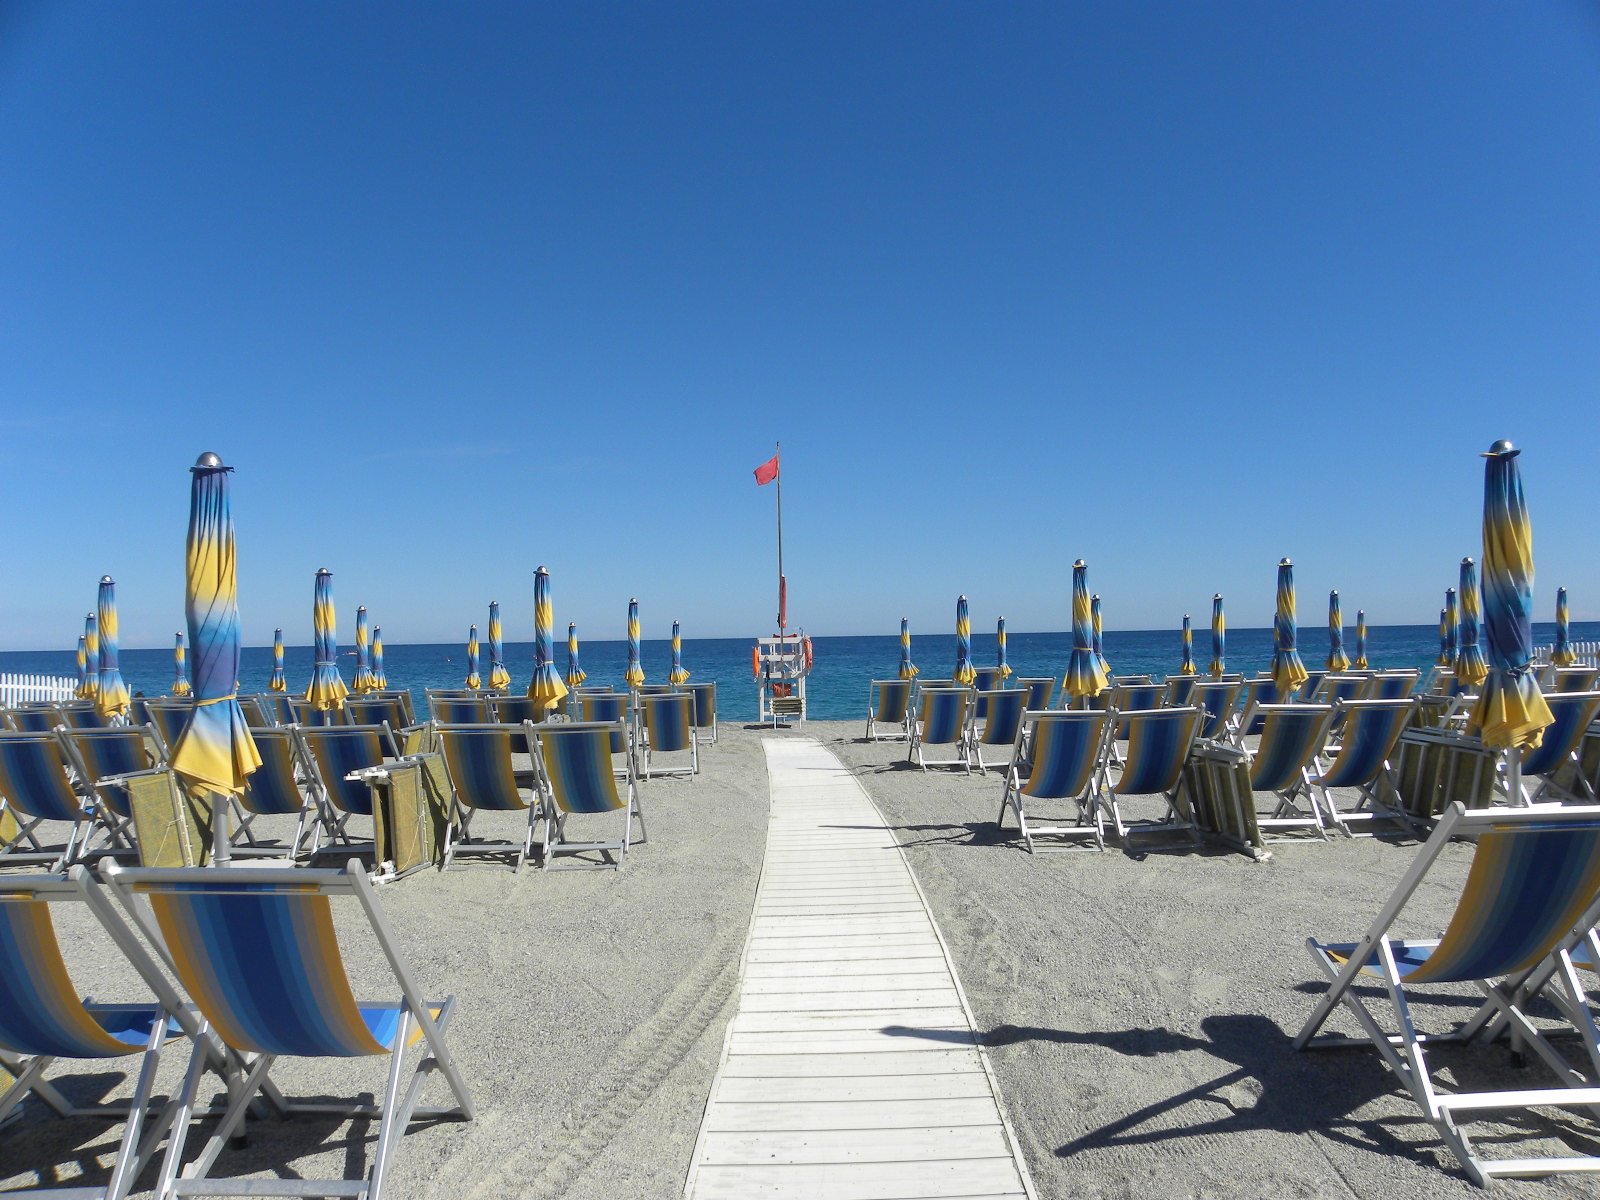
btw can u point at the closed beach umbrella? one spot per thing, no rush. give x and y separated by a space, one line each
1000 650
1445 657
1471 669
380 680
677 674
1096 635
327 690
1288 672
575 673
1086 676
1219 639
908 669
1511 713
1187 666
546 687
278 683
965 672
1360 663
215 751
474 680
1338 660
83 668
363 682
112 699
499 677
634 675
180 668
1563 655
91 657
1451 622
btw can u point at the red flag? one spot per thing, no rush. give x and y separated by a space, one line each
767 471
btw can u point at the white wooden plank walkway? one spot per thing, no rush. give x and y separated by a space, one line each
851 1070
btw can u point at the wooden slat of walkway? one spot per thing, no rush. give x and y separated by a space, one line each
851 1070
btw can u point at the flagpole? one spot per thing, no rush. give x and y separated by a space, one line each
777 450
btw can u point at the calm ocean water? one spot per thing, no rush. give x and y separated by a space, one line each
844 665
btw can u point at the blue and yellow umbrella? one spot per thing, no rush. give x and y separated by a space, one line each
83 668
1452 631
575 672
1445 657
965 672
112 700
1360 663
1510 713
908 669
215 752
91 658
1219 639
278 682
1471 669
499 677
380 680
474 680
1187 666
1096 634
327 690
677 674
546 687
634 675
363 682
1563 654
180 668
1288 672
1085 674
1338 660
1000 650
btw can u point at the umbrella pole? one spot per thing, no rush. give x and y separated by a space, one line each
1514 777
221 844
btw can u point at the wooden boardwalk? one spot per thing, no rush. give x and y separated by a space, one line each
851 1070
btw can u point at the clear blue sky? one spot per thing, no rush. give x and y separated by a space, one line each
460 289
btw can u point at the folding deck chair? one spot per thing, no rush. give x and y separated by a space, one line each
574 761
277 707
1258 691
1345 685
1178 690
308 716
35 787
1307 691
100 757
518 711
1369 731
274 790
1292 736
376 710
1001 725
458 708
1570 679
1533 891
944 718
1159 740
667 722
984 679
255 712
1039 692
168 718
1392 685
334 756
255 949
613 709
1216 700
33 717
478 762
889 703
1574 712
705 709
1063 764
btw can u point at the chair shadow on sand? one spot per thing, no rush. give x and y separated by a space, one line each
1270 1087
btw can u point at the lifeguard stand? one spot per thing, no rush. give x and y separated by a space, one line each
781 669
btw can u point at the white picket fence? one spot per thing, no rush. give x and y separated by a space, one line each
17 689
1588 653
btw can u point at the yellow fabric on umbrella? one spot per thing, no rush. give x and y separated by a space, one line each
327 690
546 687
1288 672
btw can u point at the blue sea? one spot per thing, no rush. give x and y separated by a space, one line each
837 688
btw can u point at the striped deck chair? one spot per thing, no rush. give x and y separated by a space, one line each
33 717
518 711
889 703
575 774
1128 680
944 718
168 717
35 787
309 715
1292 736
984 679
1217 781
1570 679
255 949
1307 691
612 709
1216 699
274 790
334 756
376 710
1332 688
1258 691
101 756
1533 890
1135 697
255 712
400 694
1574 712
667 719
1063 765
1039 691
44 1019
1369 733
471 708
1179 690
1000 726
278 707
705 709
1391 685
1159 740
478 762
80 716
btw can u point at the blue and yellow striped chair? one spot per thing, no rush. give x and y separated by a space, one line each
667 719
1179 690
1062 763
944 718
168 717
1570 679
80 716
1292 737
274 790
1369 730
984 679
256 951
33 717
44 1019
1039 692
1159 740
458 708
100 756
36 787
277 707
331 755
1258 691
518 711
478 759
1574 712
1531 894
611 708
1216 699
1392 685
308 715
1001 725
889 704
376 710
1334 687
574 762
705 709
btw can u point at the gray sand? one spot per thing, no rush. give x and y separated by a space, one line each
1138 1008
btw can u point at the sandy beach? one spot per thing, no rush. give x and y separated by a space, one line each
1137 1008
